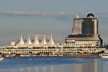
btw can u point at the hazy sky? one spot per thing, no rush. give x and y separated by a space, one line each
68 6
47 16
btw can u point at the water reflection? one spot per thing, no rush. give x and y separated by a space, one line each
96 65
87 67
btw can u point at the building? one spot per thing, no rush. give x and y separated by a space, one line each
84 32
36 42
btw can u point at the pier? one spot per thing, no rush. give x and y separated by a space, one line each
49 51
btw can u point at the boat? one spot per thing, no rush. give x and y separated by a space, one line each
104 55
1 58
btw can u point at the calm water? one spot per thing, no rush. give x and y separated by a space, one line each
53 64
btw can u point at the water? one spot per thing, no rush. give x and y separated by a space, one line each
53 64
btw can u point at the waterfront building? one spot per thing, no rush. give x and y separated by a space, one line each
51 42
21 42
84 32
29 43
45 42
12 43
36 41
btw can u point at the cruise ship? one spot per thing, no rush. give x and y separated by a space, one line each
83 41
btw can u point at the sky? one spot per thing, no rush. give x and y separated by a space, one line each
67 6
47 16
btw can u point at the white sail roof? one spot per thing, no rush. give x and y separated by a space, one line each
36 41
21 41
44 42
51 40
28 41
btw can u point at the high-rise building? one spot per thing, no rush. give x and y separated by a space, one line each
84 32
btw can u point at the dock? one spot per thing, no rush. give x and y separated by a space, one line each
50 51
